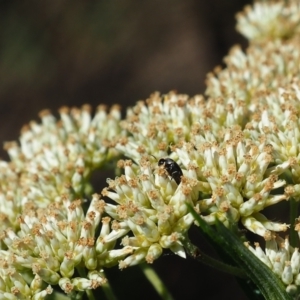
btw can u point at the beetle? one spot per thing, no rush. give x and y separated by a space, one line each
172 168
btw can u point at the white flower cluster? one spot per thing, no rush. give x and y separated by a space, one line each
238 152
233 171
261 68
276 120
55 158
235 180
282 259
162 120
51 243
269 20
43 229
152 208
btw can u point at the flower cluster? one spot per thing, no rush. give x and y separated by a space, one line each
52 242
276 120
236 181
269 20
152 208
261 68
233 170
55 158
239 152
162 120
45 234
282 259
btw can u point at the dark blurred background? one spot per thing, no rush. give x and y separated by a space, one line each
56 53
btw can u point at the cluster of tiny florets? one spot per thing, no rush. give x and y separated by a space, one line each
44 231
269 20
282 259
55 158
151 207
237 151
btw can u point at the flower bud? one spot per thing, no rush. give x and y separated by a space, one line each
287 274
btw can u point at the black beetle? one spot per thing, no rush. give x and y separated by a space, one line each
172 168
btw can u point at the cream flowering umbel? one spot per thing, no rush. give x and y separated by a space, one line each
51 244
152 208
255 70
235 181
271 60
40 233
282 259
162 120
269 20
276 120
238 151
233 172
56 157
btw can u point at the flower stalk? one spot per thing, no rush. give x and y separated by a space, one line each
156 282
201 257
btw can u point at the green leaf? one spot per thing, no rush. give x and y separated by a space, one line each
266 281
207 260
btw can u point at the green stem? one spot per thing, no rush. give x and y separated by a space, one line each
293 215
108 291
57 296
156 282
77 296
201 257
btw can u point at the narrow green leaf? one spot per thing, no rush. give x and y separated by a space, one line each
201 257
267 282
156 282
